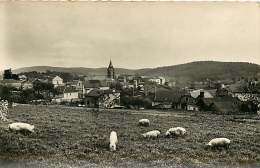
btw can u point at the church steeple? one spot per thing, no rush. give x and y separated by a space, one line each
110 71
110 64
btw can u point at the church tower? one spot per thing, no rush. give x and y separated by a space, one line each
110 71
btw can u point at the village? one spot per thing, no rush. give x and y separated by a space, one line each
123 91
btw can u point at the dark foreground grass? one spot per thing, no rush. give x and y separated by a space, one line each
77 134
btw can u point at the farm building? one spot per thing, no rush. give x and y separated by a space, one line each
98 98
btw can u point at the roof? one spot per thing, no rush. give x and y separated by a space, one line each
208 101
196 93
226 104
57 78
22 76
74 82
212 92
169 95
70 89
99 92
41 80
10 81
110 64
95 83
238 86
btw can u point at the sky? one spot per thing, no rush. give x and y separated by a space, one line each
131 34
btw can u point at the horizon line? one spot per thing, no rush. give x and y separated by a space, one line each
126 67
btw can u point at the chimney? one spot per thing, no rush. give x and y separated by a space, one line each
201 94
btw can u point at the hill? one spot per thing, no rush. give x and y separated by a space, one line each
197 71
194 71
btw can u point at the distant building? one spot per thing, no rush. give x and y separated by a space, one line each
79 86
22 77
187 102
98 98
57 81
66 94
198 92
9 75
26 85
70 94
12 83
165 98
223 105
157 80
96 84
110 71
170 83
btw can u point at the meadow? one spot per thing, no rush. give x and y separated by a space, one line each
76 134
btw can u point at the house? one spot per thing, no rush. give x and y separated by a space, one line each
12 83
70 94
57 81
158 80
98 98
192 107
226 105
26 85
222 105
79 86
188 102
167 98
170 83
57 99
96 84
9 75
22 77
198 92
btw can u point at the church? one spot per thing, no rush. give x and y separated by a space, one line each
110 71
101 81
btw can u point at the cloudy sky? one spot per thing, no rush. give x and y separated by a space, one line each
132 34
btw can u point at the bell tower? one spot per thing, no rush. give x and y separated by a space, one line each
110 71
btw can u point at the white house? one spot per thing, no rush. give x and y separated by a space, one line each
22 77
26 85
70 94
196 93
57 81
159 80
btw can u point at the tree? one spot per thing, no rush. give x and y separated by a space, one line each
27 95
43 89
6 92
117 86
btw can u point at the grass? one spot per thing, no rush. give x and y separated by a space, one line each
77 134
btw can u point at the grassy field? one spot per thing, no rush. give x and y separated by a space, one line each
76 134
